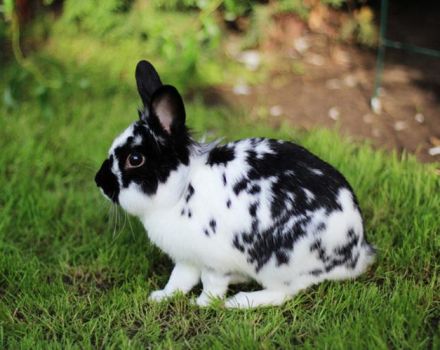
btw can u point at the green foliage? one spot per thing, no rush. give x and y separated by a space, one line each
360 28
235 8
7 8
3 31
230 9
96 16
177 39
296 6
302 8
179 5
334 3
183 34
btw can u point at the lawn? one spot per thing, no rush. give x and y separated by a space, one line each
76 272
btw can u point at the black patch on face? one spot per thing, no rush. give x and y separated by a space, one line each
213 225
162 156
224 180
189 193
189 213
107 181
221 155
228 203
206 232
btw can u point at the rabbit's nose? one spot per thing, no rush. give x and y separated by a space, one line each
107 181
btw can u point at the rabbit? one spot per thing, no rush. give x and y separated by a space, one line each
255 209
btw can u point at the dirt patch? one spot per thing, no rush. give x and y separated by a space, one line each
315 81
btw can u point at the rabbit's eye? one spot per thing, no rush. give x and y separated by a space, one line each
135 160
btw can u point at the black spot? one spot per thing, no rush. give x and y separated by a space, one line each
321 227
289 164
228 203
252 155
317 246
351 233
255 189
273 239
240 186
237 244
189 193
206 232
221 155
342 255
247 237
182 212
189 213
352 264
282 258
333 263
316 272
253 209
225 182
346 249
254 226
213 225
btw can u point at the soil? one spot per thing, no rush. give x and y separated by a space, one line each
331 85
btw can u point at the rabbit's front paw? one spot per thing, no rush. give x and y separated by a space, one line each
158 295
204 300
245 300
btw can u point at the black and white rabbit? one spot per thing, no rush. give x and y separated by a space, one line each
259 209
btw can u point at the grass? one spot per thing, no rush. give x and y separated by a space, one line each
75 273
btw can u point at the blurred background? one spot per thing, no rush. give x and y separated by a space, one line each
303 64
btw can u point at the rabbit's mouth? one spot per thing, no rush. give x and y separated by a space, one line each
107 181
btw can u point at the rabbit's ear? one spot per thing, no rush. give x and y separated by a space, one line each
147 81
167 106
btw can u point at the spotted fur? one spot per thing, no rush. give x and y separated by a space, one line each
256 208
